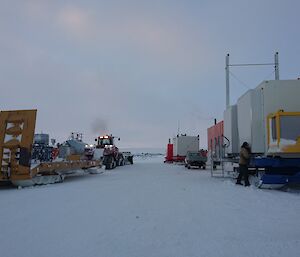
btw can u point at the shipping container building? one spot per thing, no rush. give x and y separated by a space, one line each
215 139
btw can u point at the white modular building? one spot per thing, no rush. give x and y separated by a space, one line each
182 144
249 121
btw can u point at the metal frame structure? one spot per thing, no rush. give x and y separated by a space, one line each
227 65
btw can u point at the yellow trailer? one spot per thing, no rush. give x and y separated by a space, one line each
16 140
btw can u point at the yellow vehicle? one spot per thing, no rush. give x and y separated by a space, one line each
284 134
16 140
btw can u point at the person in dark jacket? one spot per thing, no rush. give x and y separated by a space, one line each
244 161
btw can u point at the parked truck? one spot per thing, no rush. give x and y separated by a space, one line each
196 159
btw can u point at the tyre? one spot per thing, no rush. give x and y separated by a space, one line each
130 159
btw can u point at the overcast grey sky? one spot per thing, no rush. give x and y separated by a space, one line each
135 68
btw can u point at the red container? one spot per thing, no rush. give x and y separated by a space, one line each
169 157
215 136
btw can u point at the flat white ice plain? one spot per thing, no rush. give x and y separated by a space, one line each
149 209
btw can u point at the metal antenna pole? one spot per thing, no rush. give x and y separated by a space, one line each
227 81
276 66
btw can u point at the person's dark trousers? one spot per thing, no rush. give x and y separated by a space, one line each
244 174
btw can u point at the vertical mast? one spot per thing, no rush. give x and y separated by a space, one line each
227 81
276 62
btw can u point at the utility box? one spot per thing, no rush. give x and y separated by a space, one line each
231 130
182 144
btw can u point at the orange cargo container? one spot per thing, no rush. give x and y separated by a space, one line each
215 138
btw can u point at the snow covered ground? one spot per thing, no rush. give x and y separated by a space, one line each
149 209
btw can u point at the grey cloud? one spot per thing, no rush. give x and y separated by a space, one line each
99 126
134 69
